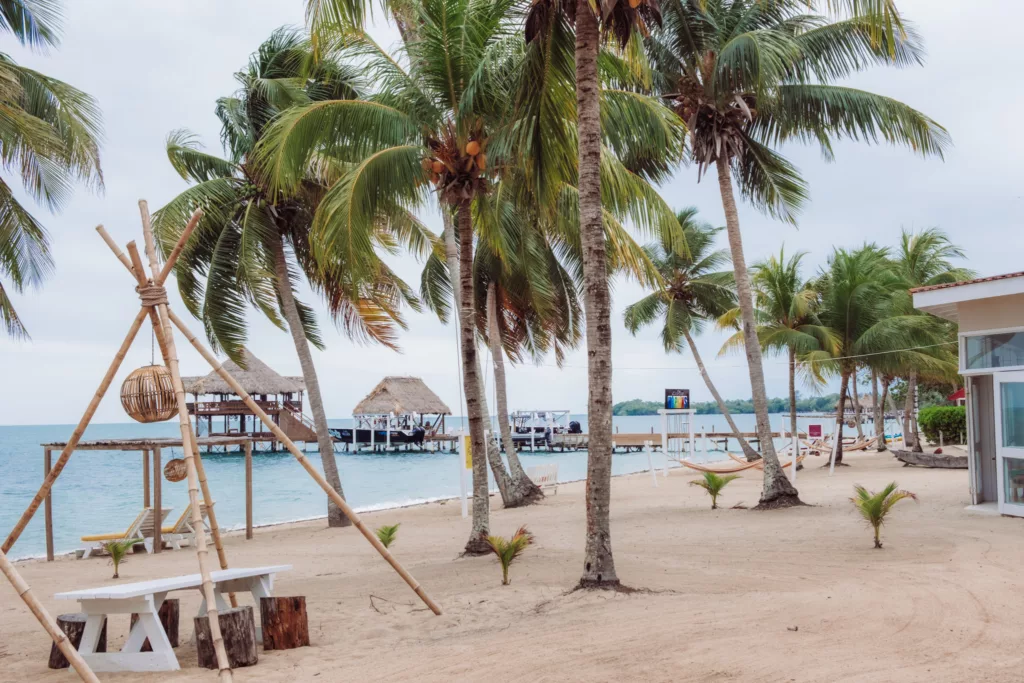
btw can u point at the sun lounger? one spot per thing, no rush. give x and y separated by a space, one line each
181 531
141 528
544 476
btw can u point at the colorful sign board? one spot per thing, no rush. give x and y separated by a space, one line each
814 431
677 399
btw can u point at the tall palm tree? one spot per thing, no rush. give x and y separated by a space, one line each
49 134
693 291
448 119
253 247
923 259
857 290
787 309
748 75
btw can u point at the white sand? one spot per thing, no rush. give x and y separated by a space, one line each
941 602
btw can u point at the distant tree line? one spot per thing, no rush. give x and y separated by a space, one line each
813 404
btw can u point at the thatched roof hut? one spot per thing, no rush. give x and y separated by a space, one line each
256 378
402 396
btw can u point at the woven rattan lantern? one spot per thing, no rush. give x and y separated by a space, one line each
147 394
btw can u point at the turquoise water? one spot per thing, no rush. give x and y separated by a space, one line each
101 491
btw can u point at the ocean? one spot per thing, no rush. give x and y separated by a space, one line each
101 491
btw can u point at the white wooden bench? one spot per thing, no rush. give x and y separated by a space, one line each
144 598
544 476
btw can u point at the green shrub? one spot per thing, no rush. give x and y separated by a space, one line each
950 420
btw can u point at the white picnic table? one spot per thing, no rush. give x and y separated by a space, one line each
145 598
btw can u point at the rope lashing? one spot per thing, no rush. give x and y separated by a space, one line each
152 295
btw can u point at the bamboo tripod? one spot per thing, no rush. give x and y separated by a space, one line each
154 306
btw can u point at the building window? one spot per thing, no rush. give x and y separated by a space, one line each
1003 350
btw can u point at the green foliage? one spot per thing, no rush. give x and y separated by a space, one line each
387 534
118 550
950 420
49 139
508 550
713 484
232 262
812 404
874 507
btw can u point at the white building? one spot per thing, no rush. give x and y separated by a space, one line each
990 315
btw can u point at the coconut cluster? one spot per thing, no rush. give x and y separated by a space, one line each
457 170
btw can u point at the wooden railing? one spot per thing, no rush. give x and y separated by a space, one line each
230 407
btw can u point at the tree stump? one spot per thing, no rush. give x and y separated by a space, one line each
168 614
73 625
238 627
284 622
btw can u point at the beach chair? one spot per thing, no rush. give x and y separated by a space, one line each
544 476
181 532
141 528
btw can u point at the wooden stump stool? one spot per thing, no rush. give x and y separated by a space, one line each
284 622
238 627
73 626
168 619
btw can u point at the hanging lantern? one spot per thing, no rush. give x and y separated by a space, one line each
147 394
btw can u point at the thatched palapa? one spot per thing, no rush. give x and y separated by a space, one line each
256 378
402 396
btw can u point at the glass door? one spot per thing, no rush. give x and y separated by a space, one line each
1009 423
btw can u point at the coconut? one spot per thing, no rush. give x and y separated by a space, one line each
437 166
472 148
634 3
481 162
426 164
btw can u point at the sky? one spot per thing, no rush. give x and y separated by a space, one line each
157 67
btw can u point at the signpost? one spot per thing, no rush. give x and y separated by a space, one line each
677 399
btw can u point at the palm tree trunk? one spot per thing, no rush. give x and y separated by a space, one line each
501 478
841 416
477 543
777 491
598 562
912 393
792 395
886 382
908 409
524 491
335 517
879 413
856 406
749 452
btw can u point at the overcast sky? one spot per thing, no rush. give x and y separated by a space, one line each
155 67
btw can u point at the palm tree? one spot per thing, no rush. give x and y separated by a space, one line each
787 314
857 291
748 75
451 119
252 246
692 292
923 259
875 507
50 134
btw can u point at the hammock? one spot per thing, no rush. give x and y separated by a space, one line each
720 470
863 445
759 464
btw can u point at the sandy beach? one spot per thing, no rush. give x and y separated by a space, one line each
727 595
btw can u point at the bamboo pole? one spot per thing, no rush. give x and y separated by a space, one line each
139 277
48 508
193 496
185 426
145 478
248 490
76 436
158 503
25 593
147 233
294 450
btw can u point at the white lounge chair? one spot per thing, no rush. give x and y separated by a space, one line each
544 476
181 531
141 528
